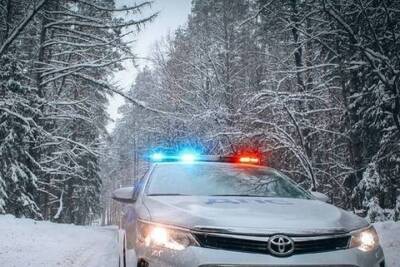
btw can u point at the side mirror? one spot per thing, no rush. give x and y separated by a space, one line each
320 196
124 195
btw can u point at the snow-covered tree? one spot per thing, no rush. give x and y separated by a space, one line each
63 54
19 115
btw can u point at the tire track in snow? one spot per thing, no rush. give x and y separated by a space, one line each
25 242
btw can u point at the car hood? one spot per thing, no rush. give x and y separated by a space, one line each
252 215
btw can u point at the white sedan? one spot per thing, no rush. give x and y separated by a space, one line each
209 213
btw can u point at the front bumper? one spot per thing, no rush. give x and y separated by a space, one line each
205 257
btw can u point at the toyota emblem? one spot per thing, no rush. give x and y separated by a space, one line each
280 245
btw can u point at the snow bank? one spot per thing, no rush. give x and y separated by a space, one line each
389 234
25 242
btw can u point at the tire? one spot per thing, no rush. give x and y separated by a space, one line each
124 253
122 244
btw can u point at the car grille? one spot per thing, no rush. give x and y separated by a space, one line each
301 246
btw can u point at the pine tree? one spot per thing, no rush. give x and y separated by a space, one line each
19 114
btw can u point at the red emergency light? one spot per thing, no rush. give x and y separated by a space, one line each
250 160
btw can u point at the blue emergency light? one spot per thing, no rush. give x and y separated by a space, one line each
157 156
185 156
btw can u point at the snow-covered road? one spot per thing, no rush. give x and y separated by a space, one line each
25 242
44 244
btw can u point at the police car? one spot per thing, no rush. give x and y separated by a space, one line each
209 211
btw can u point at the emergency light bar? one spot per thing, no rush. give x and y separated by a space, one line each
190 157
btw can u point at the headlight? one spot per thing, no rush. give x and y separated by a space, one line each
365 240
157 235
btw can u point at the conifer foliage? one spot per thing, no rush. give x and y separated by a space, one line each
57 58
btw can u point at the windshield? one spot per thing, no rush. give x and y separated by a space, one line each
216 179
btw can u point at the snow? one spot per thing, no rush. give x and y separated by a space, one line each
25 242
389 234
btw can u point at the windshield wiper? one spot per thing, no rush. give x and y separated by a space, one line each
235 195
167 194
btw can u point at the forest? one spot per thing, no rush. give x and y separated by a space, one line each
311 85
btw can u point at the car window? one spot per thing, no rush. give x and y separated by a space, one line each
207 179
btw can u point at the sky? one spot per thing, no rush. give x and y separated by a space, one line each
173 13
